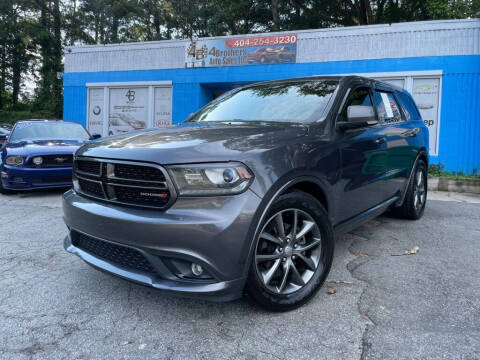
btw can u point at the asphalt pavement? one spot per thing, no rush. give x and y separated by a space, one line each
398 290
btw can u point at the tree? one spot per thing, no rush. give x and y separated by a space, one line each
49 39
34 32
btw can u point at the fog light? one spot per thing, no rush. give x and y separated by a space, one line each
38 160
197 270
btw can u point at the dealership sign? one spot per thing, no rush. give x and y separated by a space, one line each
255 50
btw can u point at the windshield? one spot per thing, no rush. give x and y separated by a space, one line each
48 131
300 101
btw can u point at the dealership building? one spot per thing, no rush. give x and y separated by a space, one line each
117 88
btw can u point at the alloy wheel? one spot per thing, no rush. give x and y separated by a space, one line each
288 251
419 192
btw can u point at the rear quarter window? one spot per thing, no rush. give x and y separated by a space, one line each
409 107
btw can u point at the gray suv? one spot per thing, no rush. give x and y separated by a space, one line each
248 193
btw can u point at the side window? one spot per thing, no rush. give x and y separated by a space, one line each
387 107
359 96
409 107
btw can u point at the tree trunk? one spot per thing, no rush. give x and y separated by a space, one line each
16 78
16 61
96 29
156 24
57 59
3 71
73 23
114 35
275 17
365 16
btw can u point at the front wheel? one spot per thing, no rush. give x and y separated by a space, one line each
416 197
293 253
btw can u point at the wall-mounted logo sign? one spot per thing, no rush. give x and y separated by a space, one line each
276 49
97 110
130 95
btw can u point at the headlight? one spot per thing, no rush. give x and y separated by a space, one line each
211 179
14 160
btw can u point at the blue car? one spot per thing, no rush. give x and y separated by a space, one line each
39 154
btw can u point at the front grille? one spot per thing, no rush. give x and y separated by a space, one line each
52 180
135 172
53 161
124 183
90 167
140 196
91 187
121 255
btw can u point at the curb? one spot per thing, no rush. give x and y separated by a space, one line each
454 185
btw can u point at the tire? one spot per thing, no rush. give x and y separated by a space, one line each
416 197
305 258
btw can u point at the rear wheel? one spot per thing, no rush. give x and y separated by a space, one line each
416 197
293 253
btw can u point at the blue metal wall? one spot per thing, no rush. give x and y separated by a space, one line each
459 138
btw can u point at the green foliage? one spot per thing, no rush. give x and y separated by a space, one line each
12 116
33 33
438 170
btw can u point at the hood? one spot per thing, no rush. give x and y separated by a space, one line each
43 147
196 142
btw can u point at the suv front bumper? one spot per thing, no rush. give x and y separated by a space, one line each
210 231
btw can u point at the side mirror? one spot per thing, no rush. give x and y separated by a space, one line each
358 116
95 136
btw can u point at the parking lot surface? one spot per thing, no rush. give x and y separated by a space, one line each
398 290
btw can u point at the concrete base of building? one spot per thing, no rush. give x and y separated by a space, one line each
454 185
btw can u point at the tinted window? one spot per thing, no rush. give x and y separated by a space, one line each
387 107
409 107
301 101
359 96
48 131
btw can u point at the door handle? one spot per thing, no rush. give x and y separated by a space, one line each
411 133
380 140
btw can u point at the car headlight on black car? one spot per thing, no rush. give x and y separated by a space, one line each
15 160
211 179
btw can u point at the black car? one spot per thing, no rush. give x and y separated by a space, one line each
250 190
4 131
